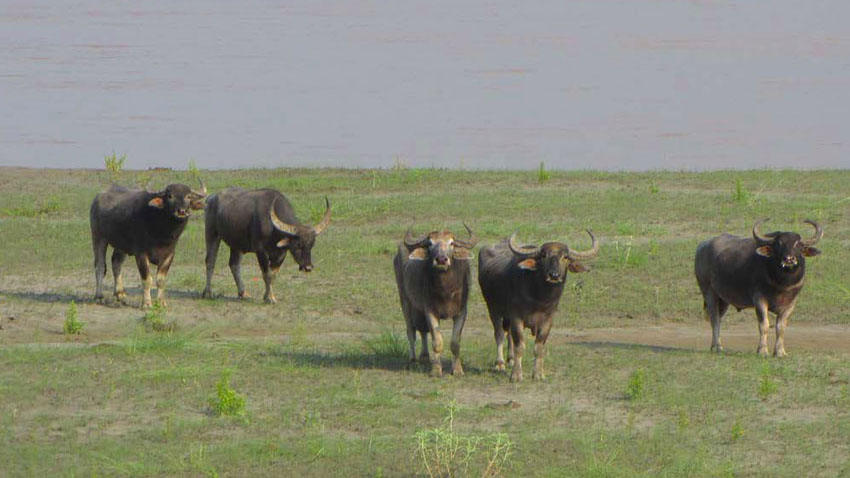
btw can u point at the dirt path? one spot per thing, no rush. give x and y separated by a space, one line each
737 337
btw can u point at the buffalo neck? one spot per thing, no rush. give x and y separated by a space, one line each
540 289
163 224
783 279
441 282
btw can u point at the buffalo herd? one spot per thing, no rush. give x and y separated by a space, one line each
522 284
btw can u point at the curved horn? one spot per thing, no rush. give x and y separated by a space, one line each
326 219
818 234
203 192
522 251
414 242
757 234
588 254
469 243
279 224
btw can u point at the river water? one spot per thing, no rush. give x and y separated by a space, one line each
601 84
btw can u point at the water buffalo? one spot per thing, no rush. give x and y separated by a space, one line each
261 221
143 224
522 286
432 274
765 272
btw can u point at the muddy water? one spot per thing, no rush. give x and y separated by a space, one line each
620 84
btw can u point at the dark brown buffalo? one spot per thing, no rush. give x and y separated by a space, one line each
143 224
765 272
432 274
522 286
261 221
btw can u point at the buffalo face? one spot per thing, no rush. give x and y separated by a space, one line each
178 199
553 259
786 249
299 239
441 248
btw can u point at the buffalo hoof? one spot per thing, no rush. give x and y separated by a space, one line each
270 299
762 351
717 349
457 369
436 369
146 305
121 298
424 359
244 295
500 365
206 294
538 375
779 353
516 376
98 299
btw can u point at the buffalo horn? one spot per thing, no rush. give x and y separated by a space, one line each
818 234
522 251
469 243
757 231
326 219
588 254
203 192
414 242
279 224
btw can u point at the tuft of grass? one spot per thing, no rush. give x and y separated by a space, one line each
741 195
767 386
72 325
542 174
445 453
226 401
155 317
737 430
635 386
114 164
389 344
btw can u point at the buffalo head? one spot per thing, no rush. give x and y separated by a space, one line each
300 238
178 199
786 249
553 259
440 247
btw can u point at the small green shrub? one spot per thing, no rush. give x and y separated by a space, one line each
542 174
72 325
389 344
446 454
737 430
155 317
226 401
741 195
767 386
635 386
114 164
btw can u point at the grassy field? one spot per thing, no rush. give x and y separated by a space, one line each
323 373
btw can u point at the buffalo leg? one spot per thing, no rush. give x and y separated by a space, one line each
236 270
499 334
457 330
99 248
161 275
144 265
423 354
117 260
516 349
213 242
540 349
411 331
764 325
436 346
268 277
712 312
781 326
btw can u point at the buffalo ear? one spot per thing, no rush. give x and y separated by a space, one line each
462 254
157 202
283 242
577 267
764 251
810 251
418 254
528 264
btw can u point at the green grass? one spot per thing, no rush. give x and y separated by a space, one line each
324 375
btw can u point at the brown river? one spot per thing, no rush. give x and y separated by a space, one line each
595 84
